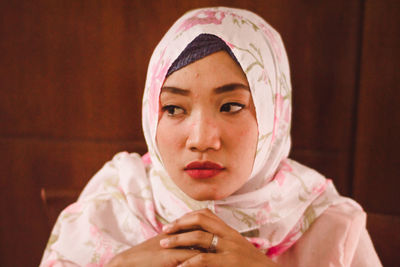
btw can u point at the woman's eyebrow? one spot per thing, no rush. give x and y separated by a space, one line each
175 90
230 87
218 90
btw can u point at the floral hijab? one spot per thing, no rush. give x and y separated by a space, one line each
130 198
281 198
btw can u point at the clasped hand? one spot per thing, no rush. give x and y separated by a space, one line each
187 242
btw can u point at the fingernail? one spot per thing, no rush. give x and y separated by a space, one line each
166 228
164 242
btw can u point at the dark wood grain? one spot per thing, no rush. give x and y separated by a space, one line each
385 233
377 161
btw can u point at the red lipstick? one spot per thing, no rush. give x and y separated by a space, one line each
203 170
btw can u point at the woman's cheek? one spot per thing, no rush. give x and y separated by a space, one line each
174 134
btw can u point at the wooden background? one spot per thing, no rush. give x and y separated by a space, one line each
71 81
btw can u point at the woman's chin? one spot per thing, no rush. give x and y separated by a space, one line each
204 196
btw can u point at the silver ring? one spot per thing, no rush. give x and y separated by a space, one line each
214 243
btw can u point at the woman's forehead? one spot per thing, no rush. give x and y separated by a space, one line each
217 70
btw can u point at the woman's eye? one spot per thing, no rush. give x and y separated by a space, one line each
173 110
231 107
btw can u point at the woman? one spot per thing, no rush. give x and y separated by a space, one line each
216 188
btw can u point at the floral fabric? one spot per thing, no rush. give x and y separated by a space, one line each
131 197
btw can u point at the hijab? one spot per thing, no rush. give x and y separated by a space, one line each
281 197
131 197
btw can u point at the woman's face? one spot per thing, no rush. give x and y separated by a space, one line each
207 131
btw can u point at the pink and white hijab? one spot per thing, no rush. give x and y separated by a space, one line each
130 198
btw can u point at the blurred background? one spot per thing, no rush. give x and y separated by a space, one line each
71 80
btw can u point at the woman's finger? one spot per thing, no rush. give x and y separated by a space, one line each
202 219
195 238
150 253
203 259
173 257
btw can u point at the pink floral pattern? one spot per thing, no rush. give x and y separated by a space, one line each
319 189
231 46
102 248
278 109
276 45
283 169
146 159
289 240
260 243
159 69
262 214
202 17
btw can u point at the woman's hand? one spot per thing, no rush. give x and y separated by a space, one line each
230 250
150 253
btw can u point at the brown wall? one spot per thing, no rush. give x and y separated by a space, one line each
71 81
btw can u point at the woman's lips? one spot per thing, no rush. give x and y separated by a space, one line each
203 170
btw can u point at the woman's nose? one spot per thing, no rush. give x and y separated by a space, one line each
204 134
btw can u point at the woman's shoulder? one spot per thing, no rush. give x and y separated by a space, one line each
123 171
342 216
332 239
114 212
334 236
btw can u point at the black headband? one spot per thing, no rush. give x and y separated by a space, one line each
201 46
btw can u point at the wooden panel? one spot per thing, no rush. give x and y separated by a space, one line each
324 82
63 164
74 69
385 234
23 228
377 163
